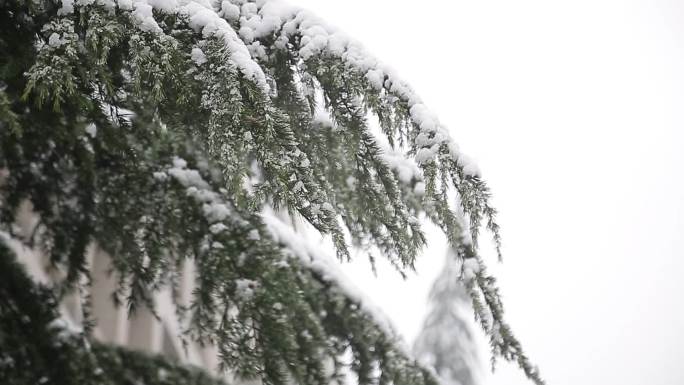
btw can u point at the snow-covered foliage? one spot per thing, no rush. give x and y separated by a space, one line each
446 341
161 129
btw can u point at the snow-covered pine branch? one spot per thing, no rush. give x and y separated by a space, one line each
161 129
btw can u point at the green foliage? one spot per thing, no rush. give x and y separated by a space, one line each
160 147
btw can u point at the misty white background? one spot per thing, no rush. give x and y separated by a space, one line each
574 112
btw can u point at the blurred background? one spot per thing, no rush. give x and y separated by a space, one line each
573 111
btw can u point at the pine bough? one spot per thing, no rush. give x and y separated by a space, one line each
162 130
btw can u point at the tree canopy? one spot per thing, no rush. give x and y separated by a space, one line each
166 130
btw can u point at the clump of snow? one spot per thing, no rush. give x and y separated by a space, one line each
376 78
126 5
214 208
217 228
160 175
55 40
216 212
351 182
67 7
207 21
187 177
167 6
469 166
253 235
64 328
179 162
407 170
198 56
470 267
230 11
142 11
91 129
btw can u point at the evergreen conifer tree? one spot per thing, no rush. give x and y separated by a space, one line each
446 340
164 130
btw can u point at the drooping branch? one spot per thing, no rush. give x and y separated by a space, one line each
161 133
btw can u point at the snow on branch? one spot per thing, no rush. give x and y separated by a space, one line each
202 17
320 260
261 19
235 81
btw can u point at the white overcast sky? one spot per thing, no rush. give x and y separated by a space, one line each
574 112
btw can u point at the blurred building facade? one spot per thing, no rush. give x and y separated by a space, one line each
140 330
